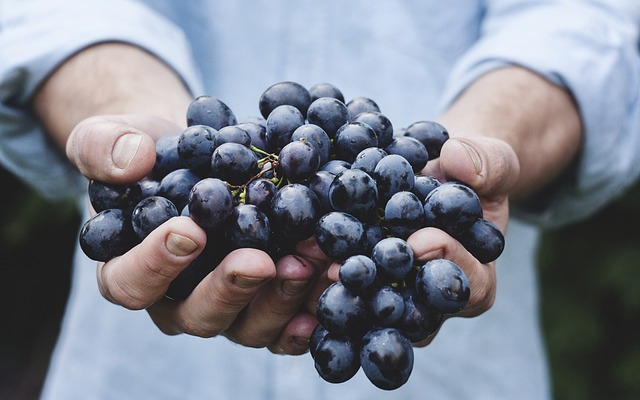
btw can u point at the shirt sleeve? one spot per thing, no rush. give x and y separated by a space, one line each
35 38
589 47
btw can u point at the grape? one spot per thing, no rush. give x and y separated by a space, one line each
281 124
354 191
320 183
104 196
386 358
368 158
350 139
234 163
342 311
443 285
380 124
284 93
107 234
393 258
393 174
150 213
295 211
167 157
232 134
403 214
335 166
257 132
340 235
298 161
210 111
195 147
452 207
361 104
210 203
423 185
260 192
176 186
325 90
431 134
316 137
248 227
357 273
337 358
328 113
411 149
484 240
387 306
418 321
318 333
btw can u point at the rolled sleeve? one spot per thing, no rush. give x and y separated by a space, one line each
35 38
591 49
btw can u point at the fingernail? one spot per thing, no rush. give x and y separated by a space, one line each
475 157
293 288
180 245
125 149
246 282
300 341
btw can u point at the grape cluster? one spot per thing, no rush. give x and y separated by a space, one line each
312 165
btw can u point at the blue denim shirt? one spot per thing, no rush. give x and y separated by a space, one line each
413 58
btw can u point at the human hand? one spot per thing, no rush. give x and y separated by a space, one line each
247 297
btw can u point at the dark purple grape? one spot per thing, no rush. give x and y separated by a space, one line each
295 211
452 207
104 196
195 147
443 285
167 157
150 213
373 233
284 93
418 320
176 186
393 258
316 137
335 166
234 163
298 161
386 357
210 203
368 158
350 139
257 132
232 134
325 90
281 124
248 226
403 214
424 184
380 124
340 235
387 306
411 149
318 333
210 111
431 134
320 183
337 358
107 234
260 192
149 186
355 192
393 174
483 240
341 311
357 273
328 113
361 104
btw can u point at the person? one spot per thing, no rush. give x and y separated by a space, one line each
540 100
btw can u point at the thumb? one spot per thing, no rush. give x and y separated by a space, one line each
489 165
116 149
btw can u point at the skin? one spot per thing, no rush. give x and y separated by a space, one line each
499 127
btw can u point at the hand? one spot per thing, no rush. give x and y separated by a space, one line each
247 298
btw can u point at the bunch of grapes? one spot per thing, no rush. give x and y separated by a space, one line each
312 165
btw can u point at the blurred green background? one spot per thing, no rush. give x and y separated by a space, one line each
589 281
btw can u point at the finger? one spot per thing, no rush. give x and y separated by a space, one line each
262 321
116 149
294 339
219 298
432 243
141 276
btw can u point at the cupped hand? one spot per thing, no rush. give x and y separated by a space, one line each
247 298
